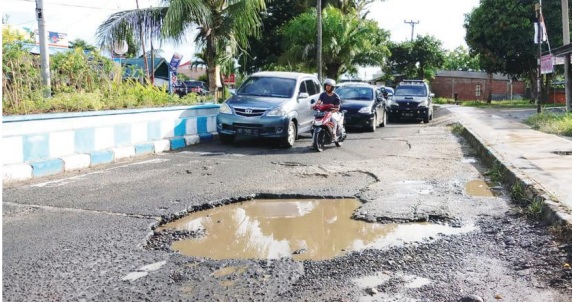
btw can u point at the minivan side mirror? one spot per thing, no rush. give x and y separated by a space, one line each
303 95
432 94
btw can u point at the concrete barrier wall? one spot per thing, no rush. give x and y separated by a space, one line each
46 144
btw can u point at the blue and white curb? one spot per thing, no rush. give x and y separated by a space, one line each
28 171
47 144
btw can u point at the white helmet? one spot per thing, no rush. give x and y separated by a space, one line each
330 82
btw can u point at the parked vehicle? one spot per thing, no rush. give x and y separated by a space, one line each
365 106
275 105
412 100
323 128
185 87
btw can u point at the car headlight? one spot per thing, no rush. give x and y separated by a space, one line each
278 111
225 109
365 110
423 103
392 102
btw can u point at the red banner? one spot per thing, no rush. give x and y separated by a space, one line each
229 79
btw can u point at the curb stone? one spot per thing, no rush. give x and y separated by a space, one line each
553 212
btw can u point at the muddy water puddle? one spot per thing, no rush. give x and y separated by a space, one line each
302 229
479 187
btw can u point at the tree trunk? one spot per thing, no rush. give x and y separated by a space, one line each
210 58
490 93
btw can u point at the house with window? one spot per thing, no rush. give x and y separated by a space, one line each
474 85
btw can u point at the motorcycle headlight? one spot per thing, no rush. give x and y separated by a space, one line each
423 103
365 110
278 111
225 109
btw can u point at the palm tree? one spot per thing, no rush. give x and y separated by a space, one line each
223 26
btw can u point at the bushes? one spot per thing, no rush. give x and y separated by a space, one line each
552 123
80 82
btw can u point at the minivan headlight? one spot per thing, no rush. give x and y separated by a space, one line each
392 102
365 110
225 109
423 103
278 111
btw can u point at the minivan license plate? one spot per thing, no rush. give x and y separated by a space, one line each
247 132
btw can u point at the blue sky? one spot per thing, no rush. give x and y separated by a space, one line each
80 19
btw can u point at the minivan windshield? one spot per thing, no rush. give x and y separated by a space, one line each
268 86
355 93
410 90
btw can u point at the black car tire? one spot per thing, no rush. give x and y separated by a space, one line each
289 140
373 125
426 118
383 120
226 138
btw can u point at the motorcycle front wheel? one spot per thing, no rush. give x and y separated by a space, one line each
319 140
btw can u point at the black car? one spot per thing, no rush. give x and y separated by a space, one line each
185 87
412 100
364 105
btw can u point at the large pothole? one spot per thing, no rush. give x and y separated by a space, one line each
301 229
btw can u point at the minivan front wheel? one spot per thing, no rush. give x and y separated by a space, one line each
289 140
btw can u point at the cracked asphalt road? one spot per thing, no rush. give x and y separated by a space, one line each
88 235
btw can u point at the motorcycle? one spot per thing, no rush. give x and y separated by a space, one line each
323 128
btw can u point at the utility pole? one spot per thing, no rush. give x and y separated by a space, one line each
319 42
412 23
566 40
44 54
539 37
142 38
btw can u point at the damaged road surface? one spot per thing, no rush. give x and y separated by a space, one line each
402 214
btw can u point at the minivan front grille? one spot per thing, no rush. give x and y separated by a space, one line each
407 104
249 112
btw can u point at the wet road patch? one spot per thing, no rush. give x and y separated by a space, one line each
300 229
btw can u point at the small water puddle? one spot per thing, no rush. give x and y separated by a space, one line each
300 229
478 187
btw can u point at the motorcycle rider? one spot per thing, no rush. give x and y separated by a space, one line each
330 97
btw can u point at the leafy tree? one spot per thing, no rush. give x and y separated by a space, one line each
420 58
501 32
429 55
12 34
223 26
82 44
348 41
265 51
461 59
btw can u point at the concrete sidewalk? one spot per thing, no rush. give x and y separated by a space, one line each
543 162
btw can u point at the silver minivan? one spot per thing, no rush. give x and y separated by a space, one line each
270 104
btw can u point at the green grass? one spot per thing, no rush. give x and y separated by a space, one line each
496 172
442 101
518 194
457 128
553 123
535 208
500 104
